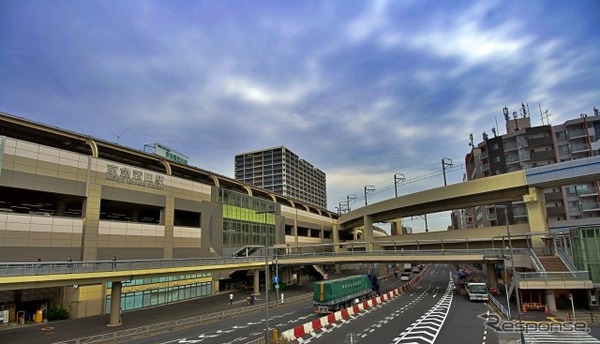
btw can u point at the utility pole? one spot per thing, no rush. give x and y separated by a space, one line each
398 177
368 188
350 197
446 162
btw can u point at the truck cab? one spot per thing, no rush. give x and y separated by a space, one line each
477 291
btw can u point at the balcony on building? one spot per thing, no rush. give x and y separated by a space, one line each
588 193
589 206
555 211
519 212
510 146
580 148
577 133
537 142
542 155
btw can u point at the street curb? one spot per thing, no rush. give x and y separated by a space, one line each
311 327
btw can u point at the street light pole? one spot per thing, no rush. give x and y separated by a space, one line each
266 285
514 272
267 235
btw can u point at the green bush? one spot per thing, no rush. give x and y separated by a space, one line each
57 312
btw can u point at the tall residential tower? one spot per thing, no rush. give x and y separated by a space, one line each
524 146
280 170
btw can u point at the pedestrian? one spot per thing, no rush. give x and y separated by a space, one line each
231 298
114 263
252 299
70 264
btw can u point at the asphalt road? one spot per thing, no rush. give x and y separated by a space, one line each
247 327
416 316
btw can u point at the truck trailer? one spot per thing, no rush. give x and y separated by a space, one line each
333 295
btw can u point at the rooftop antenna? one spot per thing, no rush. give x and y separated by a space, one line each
523 111
117 136
506 117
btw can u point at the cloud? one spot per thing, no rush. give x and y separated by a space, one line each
362 90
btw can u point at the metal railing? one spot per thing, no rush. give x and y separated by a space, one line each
489 252
499 306
552 276
536 262
566 259
68 267
125 335
48 268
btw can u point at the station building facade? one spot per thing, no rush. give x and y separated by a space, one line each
67 196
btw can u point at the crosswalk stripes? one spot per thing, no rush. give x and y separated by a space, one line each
540 337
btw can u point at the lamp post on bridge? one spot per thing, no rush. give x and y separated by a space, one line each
514 272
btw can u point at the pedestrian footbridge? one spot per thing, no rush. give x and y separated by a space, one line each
486 246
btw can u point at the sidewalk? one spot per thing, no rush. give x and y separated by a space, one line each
59 331
530 315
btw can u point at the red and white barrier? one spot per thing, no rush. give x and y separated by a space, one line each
333 318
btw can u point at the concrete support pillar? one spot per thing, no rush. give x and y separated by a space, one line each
91 214
115 304
285 274
256 277
492 281
368 232
505 276
59 208
593 299
550 300
396 227
295 228
536 213
383 270
335 233
167 218
134 215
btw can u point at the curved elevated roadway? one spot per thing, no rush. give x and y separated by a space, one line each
525 185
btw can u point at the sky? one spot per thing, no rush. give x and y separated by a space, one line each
363 90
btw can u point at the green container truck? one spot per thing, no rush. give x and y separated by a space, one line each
333 295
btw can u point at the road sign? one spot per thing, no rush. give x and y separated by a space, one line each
275 279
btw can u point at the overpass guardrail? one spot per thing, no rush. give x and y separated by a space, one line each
82 267
553 276
45 268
